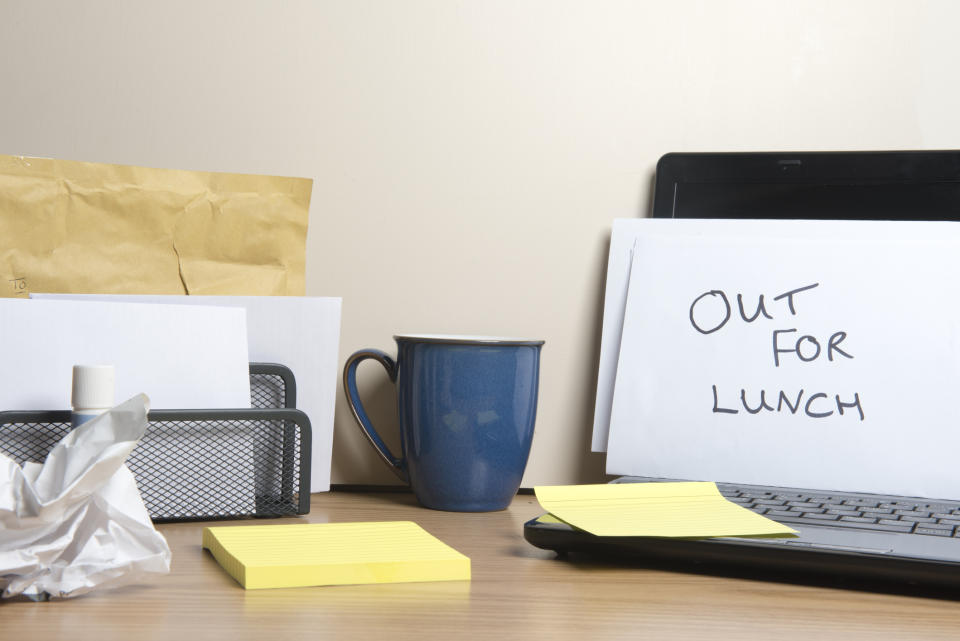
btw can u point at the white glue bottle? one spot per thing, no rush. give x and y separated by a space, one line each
92 392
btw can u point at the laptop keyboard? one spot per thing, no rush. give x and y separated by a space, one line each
862 512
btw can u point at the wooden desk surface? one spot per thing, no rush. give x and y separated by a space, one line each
517 591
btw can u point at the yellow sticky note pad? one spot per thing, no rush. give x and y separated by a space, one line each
689 510
277 556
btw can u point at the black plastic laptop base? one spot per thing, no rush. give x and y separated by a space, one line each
761 561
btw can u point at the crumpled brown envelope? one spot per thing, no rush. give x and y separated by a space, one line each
81 227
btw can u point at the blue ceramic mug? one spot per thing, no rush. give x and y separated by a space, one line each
466 406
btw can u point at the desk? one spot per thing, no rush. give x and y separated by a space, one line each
517 592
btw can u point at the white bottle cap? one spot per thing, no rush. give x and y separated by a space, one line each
92 386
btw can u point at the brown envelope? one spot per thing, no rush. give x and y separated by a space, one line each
80 227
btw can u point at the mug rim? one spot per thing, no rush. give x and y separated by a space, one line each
453 339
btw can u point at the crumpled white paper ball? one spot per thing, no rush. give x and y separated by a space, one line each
77 521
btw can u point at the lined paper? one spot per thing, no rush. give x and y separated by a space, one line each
272 556
687 509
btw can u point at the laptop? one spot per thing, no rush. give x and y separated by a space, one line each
868 540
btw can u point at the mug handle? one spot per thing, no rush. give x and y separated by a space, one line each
353 399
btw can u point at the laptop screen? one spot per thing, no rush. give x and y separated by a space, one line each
887 185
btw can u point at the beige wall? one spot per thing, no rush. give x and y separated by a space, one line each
469 157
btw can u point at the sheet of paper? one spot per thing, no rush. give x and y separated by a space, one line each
302 333
70 226
655 509
182 358
273 556
627 231
800 363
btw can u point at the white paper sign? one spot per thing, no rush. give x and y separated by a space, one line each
800 363
626 232
302 333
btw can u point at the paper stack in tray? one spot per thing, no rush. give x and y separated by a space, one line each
300 332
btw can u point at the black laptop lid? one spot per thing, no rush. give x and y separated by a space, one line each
860 185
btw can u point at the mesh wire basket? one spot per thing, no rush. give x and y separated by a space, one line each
203 464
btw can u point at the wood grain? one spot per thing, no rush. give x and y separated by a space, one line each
517 591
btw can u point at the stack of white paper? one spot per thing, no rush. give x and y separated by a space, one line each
302 333
182 359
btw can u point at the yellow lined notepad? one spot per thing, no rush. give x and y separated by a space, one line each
689 509
279 556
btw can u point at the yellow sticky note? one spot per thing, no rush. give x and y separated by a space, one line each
691 509
278 556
